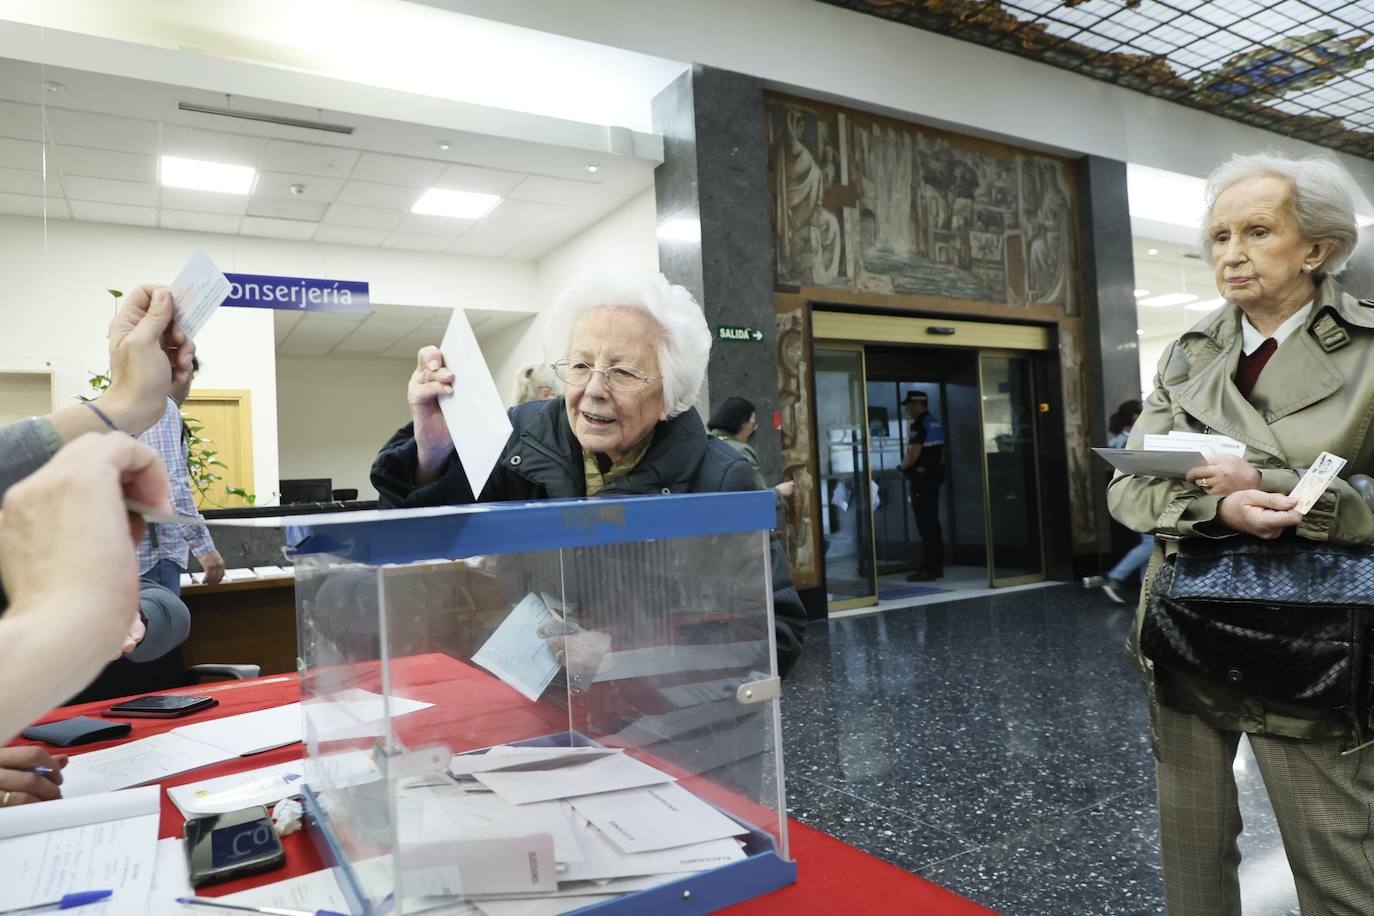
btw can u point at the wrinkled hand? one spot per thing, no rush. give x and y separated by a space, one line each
74 506
786 489
1223 475
149 355
213 564
19 787
429 380
1265 515
136 634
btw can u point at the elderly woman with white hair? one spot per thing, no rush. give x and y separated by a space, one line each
1284 369
630 350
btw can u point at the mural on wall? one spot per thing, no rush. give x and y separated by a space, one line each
874 205
794 400
871 205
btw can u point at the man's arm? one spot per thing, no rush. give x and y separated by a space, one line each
913 454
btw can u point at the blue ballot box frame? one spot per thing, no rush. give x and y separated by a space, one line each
455 533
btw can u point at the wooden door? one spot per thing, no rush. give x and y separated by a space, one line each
225 417
24 394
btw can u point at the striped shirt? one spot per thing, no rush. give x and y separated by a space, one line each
174 542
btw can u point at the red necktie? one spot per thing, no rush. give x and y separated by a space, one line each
1252 365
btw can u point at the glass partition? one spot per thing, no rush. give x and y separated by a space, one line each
1015 550
846 490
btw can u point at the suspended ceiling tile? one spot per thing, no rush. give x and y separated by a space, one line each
561 191
491 239
478 179
109 191
400 170
99 163
415 241
91 212
20 121
27 205
21 154
314 188
385 196
278 228
98 131
444 226
528 211
192 143
350 235
287 208
283 323
28 181
309 159
362 217
199 222
204 201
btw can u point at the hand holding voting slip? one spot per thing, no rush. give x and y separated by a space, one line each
197 291
1171 456
475 415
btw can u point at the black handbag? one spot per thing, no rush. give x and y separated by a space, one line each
1285 620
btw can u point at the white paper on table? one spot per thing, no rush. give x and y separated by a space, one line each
517 654
239 575
21 820
136 762
269 785
196 292
601 859
171 879
657 817
1145 463
607 774
187 580
271 572
476 418
512 757
249 732
356 713
493 865
108 854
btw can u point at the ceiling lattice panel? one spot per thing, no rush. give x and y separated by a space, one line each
1301 68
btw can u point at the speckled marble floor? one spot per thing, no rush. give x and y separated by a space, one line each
999 747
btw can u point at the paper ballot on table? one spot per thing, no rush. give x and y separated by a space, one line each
136 762
474 413
606 774
1315 480
601 859
516 757
86 844
441 816
657 817
197 291
269 785
517 654
1152 463
249 732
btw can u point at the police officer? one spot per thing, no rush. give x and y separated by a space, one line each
924 466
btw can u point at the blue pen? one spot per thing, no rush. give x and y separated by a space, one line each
271 910
80 898
41 771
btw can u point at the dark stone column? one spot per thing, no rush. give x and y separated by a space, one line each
1112 357
715 174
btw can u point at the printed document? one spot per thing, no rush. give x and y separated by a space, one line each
81 844
658 817
136 762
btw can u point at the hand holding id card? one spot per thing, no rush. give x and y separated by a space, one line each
1315 480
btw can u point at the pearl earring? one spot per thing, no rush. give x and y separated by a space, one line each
1307 268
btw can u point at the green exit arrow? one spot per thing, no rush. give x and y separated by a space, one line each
739 334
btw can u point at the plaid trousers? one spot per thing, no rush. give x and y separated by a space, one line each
1324 804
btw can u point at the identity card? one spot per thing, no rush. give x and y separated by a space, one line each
196 292
1315 481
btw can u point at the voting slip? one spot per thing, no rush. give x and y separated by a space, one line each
517 654
196 292
475 416
602 859
657 817
1151 463
1206 443
1315 480
606 774
517 757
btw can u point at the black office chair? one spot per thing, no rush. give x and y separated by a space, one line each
341 496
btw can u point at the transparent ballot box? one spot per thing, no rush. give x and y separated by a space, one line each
560 706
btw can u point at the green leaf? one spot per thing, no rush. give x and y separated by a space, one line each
116 293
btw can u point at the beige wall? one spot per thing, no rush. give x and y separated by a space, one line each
333 414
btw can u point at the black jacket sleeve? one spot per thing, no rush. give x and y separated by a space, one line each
168 621
393 474
789 614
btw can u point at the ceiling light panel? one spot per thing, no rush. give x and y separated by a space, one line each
202 175
455 204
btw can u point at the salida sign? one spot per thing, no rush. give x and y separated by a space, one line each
739 335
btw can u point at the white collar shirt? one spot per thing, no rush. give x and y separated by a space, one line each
1251 338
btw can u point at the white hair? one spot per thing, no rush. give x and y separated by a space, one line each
1323 200
684 340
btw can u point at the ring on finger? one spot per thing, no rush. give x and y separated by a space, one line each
1202 482
5 800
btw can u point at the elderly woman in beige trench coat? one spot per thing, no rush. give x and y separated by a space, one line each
1287 368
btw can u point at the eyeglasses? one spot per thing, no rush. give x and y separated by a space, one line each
619 378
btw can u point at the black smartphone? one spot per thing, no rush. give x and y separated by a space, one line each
220 847
160 707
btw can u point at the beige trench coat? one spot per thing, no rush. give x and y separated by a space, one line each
1315 394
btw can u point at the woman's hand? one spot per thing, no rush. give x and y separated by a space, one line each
786 489
1265 515
1223 475
20 786
433 442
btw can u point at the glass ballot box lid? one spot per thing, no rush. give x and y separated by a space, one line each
560 706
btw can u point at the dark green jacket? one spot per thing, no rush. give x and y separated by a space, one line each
543 460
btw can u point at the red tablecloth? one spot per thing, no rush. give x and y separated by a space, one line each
834 877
